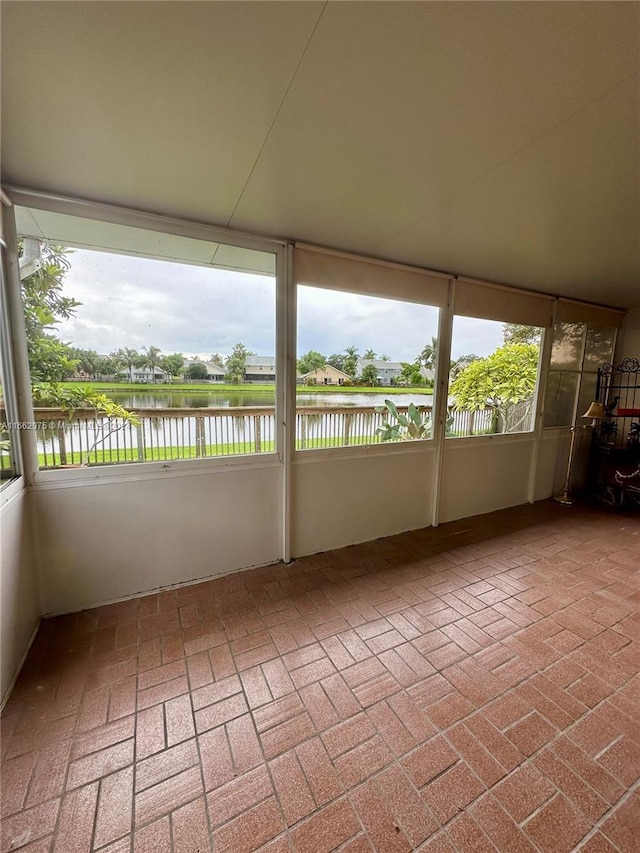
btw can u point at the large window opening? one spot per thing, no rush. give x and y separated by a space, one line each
146 347
578 351
365 369
492 378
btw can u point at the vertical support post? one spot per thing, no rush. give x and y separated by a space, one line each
200 438
257 431
62 445
539 395
441 390
140 441
471 422
303 432
286 388
22 374
346 436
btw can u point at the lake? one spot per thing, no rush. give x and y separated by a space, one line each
224 400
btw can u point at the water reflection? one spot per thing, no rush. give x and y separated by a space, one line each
223 400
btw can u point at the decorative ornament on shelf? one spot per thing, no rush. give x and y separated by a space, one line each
633 438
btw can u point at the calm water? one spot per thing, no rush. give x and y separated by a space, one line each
221 400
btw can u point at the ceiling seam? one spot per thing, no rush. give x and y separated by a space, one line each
278 111
510 157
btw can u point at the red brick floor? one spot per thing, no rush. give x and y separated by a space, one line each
472 688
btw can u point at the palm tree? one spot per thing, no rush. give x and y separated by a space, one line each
369 354
428 354
351 361
128 358
89 360
152 360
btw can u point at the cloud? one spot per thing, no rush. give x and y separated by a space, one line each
135 302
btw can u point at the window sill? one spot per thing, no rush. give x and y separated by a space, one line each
11 489
131 472
360 451
488 440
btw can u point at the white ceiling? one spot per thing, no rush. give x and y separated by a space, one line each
496 140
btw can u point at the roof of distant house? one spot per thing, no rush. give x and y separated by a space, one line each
257 360
317 370
380 364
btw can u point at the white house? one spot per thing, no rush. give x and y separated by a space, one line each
215 373
145 374
387 370
260 368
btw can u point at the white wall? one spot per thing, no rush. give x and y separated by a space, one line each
19 606
553 455
341 500
101 542
484 474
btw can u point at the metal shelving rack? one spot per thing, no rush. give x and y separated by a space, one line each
617 434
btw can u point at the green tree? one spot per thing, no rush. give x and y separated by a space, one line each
370 354
457 366
128 358
88 361
50 360
311 360
216 358
369 376
112 417
173 365
151 359
513 333
197 370
336 360
428 355
385 357
411 375
107 365
237 363
500 380
350 363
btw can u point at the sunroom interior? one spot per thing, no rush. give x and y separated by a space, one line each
479 159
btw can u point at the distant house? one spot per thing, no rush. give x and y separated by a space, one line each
260 368
144 374
387 370
215 373
327 375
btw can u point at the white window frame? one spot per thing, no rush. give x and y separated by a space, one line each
184 228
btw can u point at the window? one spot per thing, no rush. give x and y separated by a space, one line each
578 350
366 334
8 433
365 369
9 442
128 331
493 377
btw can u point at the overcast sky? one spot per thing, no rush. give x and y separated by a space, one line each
136 302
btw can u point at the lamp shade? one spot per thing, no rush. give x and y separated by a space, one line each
595 411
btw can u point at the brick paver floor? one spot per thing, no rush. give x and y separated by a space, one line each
471 688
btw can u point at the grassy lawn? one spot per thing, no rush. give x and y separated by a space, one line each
166 454
266 387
